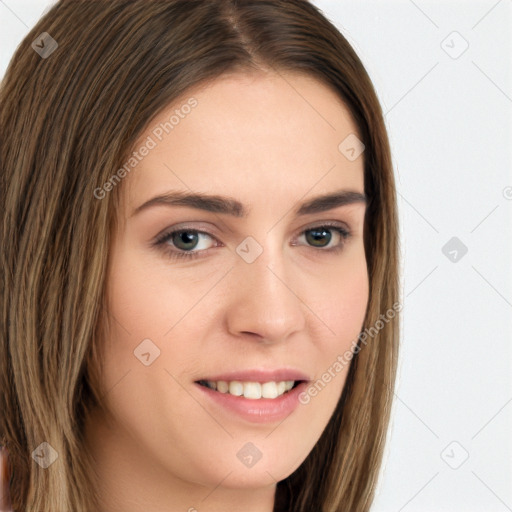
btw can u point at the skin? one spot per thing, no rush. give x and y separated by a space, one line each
271 142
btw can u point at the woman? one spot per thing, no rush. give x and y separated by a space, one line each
200 262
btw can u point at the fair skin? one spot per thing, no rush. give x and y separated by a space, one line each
271 147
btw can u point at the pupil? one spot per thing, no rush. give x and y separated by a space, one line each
317 235
187 238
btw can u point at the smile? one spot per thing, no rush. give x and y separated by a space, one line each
251 390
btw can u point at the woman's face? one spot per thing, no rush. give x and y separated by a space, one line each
271 295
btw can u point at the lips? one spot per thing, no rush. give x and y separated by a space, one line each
258 375
255 384
251 408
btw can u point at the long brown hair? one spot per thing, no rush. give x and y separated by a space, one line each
67 123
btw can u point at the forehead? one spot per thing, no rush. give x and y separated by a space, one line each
245 135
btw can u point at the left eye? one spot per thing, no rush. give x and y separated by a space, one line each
183 243
317 236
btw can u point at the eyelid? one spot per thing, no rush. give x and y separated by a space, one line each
183 227
326 223
344 231
343 226
201 229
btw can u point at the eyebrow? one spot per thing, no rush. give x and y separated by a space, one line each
230 206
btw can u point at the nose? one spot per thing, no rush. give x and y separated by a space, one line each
265 298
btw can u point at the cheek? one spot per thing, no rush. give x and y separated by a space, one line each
141 298
341 306
352 303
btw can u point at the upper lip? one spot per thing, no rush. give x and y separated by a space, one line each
259 375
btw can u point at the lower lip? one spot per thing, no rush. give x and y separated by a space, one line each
261 410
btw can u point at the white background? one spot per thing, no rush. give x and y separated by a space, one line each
449 116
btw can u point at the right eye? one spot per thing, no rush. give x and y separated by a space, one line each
184 241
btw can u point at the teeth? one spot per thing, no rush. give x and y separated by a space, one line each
269 390
236 388
251 390
221 386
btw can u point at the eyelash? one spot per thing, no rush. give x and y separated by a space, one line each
162 240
